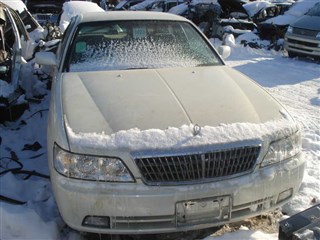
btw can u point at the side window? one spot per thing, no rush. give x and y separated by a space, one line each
64 39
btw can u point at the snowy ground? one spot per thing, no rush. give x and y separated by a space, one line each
296 83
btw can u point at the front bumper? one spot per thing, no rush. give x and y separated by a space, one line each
135 208
304 45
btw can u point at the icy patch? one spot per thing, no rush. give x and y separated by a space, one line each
175 138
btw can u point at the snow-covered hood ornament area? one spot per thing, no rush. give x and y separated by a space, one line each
183 137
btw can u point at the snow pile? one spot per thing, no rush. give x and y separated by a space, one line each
5 89
177 138
30 83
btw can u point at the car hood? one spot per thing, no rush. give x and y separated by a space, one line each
308 22
157 99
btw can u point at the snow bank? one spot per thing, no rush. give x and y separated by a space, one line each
174 138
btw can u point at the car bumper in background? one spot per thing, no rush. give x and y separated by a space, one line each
304 45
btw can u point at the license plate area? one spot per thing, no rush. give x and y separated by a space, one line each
207 210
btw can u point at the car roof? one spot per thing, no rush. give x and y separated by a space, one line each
129 15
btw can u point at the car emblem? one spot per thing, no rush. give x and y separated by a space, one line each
196 130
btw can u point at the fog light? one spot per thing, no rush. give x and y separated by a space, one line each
285 195
96 221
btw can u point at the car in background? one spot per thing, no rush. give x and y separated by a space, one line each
149 131
303 35
45 11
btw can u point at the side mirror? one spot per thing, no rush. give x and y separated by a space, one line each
46 58
224 51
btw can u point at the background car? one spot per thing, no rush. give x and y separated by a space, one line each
303 35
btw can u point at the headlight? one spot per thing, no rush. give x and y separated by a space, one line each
290 29
283 149
318 35
90 167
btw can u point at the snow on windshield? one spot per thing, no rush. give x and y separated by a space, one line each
144 44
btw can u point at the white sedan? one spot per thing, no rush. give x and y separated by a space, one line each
150 132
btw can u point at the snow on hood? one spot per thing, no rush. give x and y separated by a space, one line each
71 9
183 137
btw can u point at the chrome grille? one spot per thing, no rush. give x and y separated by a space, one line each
305 32
197 167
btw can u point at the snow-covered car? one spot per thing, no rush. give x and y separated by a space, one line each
150 132
303 35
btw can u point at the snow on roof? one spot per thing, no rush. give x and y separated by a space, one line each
15 4
71 9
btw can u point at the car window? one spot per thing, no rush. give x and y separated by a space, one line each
138 44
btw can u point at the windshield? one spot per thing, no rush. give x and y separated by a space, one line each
125 45
315 11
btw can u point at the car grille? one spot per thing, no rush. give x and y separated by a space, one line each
197 167
305 32
303 43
